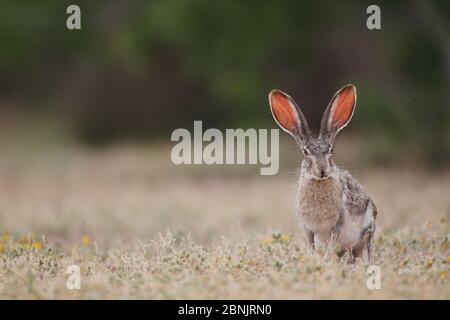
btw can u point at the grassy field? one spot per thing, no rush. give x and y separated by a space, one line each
140 227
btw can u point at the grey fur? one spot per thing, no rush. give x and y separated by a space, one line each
331 204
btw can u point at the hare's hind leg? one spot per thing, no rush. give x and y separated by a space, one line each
369 232
358 250
369 246
364 247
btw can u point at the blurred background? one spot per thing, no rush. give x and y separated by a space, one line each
139 69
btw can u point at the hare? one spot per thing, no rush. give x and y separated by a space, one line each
331 205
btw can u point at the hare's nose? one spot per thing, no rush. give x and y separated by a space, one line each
322 173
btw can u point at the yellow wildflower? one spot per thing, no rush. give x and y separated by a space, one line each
6 237
285 237
36 245
86 240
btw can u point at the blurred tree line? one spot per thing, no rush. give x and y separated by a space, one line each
139 69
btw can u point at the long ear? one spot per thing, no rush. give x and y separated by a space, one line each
339 112
289 116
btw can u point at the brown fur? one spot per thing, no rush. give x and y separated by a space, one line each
319 203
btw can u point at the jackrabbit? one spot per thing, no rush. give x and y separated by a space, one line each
331 205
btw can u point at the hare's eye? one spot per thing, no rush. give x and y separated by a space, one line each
332 150
305 151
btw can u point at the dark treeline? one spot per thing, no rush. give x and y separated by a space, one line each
139 69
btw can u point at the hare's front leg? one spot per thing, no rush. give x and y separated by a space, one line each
309 238
331 245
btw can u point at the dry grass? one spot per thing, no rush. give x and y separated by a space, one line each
140 227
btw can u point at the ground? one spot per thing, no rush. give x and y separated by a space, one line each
140 227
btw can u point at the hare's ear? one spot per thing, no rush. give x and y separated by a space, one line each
339 112
288 115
